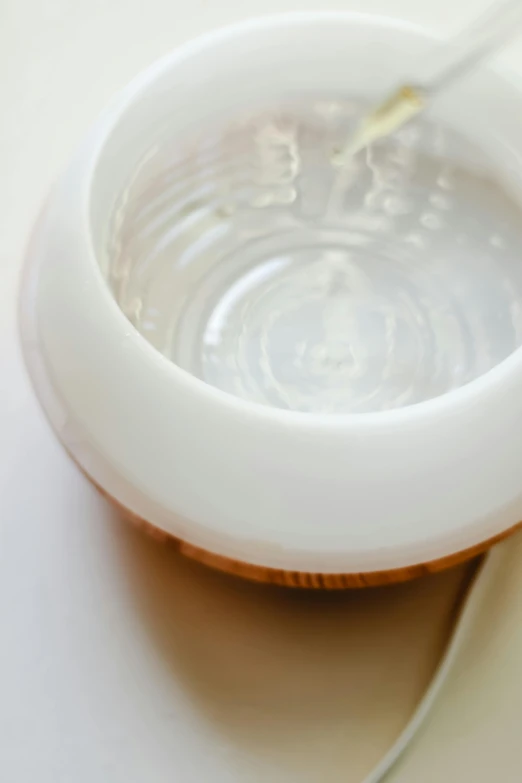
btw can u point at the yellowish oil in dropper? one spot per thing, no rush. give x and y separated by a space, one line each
460 56
388 117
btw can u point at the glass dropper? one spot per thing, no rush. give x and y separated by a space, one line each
451 63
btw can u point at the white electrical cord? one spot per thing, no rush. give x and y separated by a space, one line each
466 617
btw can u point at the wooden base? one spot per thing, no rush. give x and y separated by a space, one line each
303 579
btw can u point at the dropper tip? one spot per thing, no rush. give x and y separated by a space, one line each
398 109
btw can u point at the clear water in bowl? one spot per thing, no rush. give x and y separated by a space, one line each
250 259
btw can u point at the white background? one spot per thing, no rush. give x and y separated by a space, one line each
118 660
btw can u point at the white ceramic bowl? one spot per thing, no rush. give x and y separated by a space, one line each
364 493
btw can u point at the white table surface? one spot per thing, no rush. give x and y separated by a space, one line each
121 662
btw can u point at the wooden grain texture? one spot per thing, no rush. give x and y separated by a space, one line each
304 579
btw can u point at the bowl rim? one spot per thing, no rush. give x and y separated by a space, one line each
449 402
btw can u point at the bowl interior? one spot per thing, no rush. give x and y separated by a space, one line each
234 243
